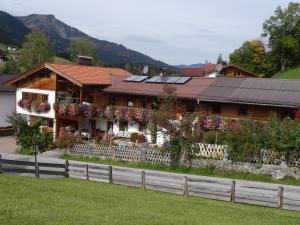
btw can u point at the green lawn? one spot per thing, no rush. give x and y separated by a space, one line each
207 171
32 201
289 74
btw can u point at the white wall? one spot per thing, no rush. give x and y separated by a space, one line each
7 106
51 101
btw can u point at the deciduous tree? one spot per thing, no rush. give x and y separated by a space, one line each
36 49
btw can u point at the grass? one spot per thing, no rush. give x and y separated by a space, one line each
205 171
289 74
66 201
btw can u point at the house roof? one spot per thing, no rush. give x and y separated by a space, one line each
190 89
209 68
192 72
260 91
3 79
78 74
239 68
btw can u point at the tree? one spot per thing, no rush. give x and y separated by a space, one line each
220 59
178 133
251 56
36 49
85 47
283 31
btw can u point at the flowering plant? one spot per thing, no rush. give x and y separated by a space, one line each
24 104
87 110
73 109
34 106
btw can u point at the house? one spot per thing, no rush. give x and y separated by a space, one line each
7 100
236 71
90 98
207 70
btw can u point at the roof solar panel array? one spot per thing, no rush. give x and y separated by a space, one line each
168 80
136 78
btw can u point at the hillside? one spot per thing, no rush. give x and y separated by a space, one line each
289 74
197 65
12 30
110 53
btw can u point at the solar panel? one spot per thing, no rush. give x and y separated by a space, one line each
169 80
136 78
131 78
140 78
153 79
172 80
182 80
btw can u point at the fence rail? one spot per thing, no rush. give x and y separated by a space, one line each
263 194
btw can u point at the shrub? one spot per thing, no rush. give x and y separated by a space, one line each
213 137
68 140
133 137
29 135
141 138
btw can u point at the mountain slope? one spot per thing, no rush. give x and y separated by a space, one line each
197 65
110 53
12 30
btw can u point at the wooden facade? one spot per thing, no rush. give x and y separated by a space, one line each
235 71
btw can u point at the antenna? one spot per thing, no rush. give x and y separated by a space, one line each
145 69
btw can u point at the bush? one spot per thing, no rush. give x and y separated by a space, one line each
213 137
141 138
29 135
68 140
133 137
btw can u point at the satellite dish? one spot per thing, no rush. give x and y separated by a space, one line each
219 67
145 69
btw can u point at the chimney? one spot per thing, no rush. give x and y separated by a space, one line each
163 72
84 60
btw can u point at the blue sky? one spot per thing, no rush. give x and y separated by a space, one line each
173 31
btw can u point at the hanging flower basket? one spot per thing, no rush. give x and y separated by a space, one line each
34 106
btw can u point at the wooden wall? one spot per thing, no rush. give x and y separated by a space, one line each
230 72
45 81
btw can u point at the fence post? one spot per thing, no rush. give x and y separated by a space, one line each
0 164
280 197
185 187
143 180
66 168
143 154
37 169
110 178
232 191
87 172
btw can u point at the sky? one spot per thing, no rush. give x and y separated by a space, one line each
173 31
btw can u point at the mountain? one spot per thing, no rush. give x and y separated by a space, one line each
197 65
12 30
61 34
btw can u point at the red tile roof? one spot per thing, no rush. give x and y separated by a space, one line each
209 68
88 75
192 72
190 90
78 74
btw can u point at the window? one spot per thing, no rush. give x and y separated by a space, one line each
191 108
142 127
25 96
237 73
123 125
90 99
243 111
34 97
154 104
144 104
45 98
216 109
112 100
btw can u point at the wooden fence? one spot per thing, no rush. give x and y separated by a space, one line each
33 168
256 193
263 194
